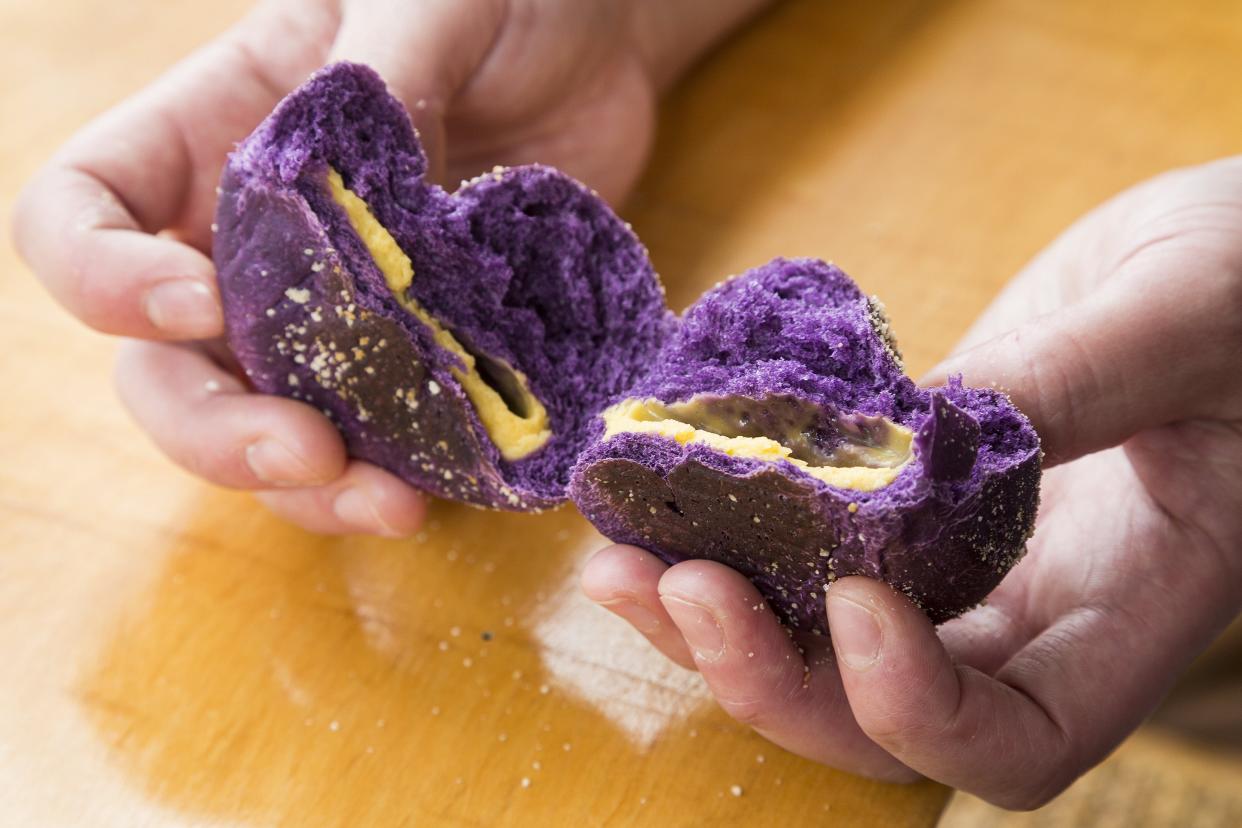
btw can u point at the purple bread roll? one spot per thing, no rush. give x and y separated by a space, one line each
508 345
778 435
462 341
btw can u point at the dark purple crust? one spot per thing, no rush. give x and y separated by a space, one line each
945 531
522 264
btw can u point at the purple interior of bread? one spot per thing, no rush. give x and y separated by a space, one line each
524 265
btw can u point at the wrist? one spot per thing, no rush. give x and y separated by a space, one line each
670 37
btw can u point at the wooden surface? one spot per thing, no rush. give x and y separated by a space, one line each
172 655
1153 781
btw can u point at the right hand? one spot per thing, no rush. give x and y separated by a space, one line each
117 225
1121 342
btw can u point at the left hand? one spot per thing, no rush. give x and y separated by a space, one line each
1123 344
118 223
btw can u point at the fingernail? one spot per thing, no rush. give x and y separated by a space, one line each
275 464
640 618
184 307
698 626
354 508
856 633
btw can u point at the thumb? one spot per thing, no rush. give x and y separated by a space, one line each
425 51
1135 354
949 722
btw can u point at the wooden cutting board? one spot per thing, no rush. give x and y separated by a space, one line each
174 656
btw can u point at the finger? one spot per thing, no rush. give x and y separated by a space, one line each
1130 357
1189 206
625 581
1055 709
759 675
1103 647
85 223
1057 277
988 636
952 723
96 260
425 52
364 500
1127 322
205 420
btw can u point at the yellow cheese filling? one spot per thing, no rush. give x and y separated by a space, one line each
515 434
864 467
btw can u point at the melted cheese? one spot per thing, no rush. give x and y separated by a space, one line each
514 435
651 417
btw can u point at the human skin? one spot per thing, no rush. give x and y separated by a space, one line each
118 224
1123 344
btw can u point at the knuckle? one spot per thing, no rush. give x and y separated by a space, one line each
1057 382
898 728
85 295
223 465
132 375
202 459
755 713
1033 397
927 713
766 701
1040 789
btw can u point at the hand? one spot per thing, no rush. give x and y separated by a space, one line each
1123 343
118 224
